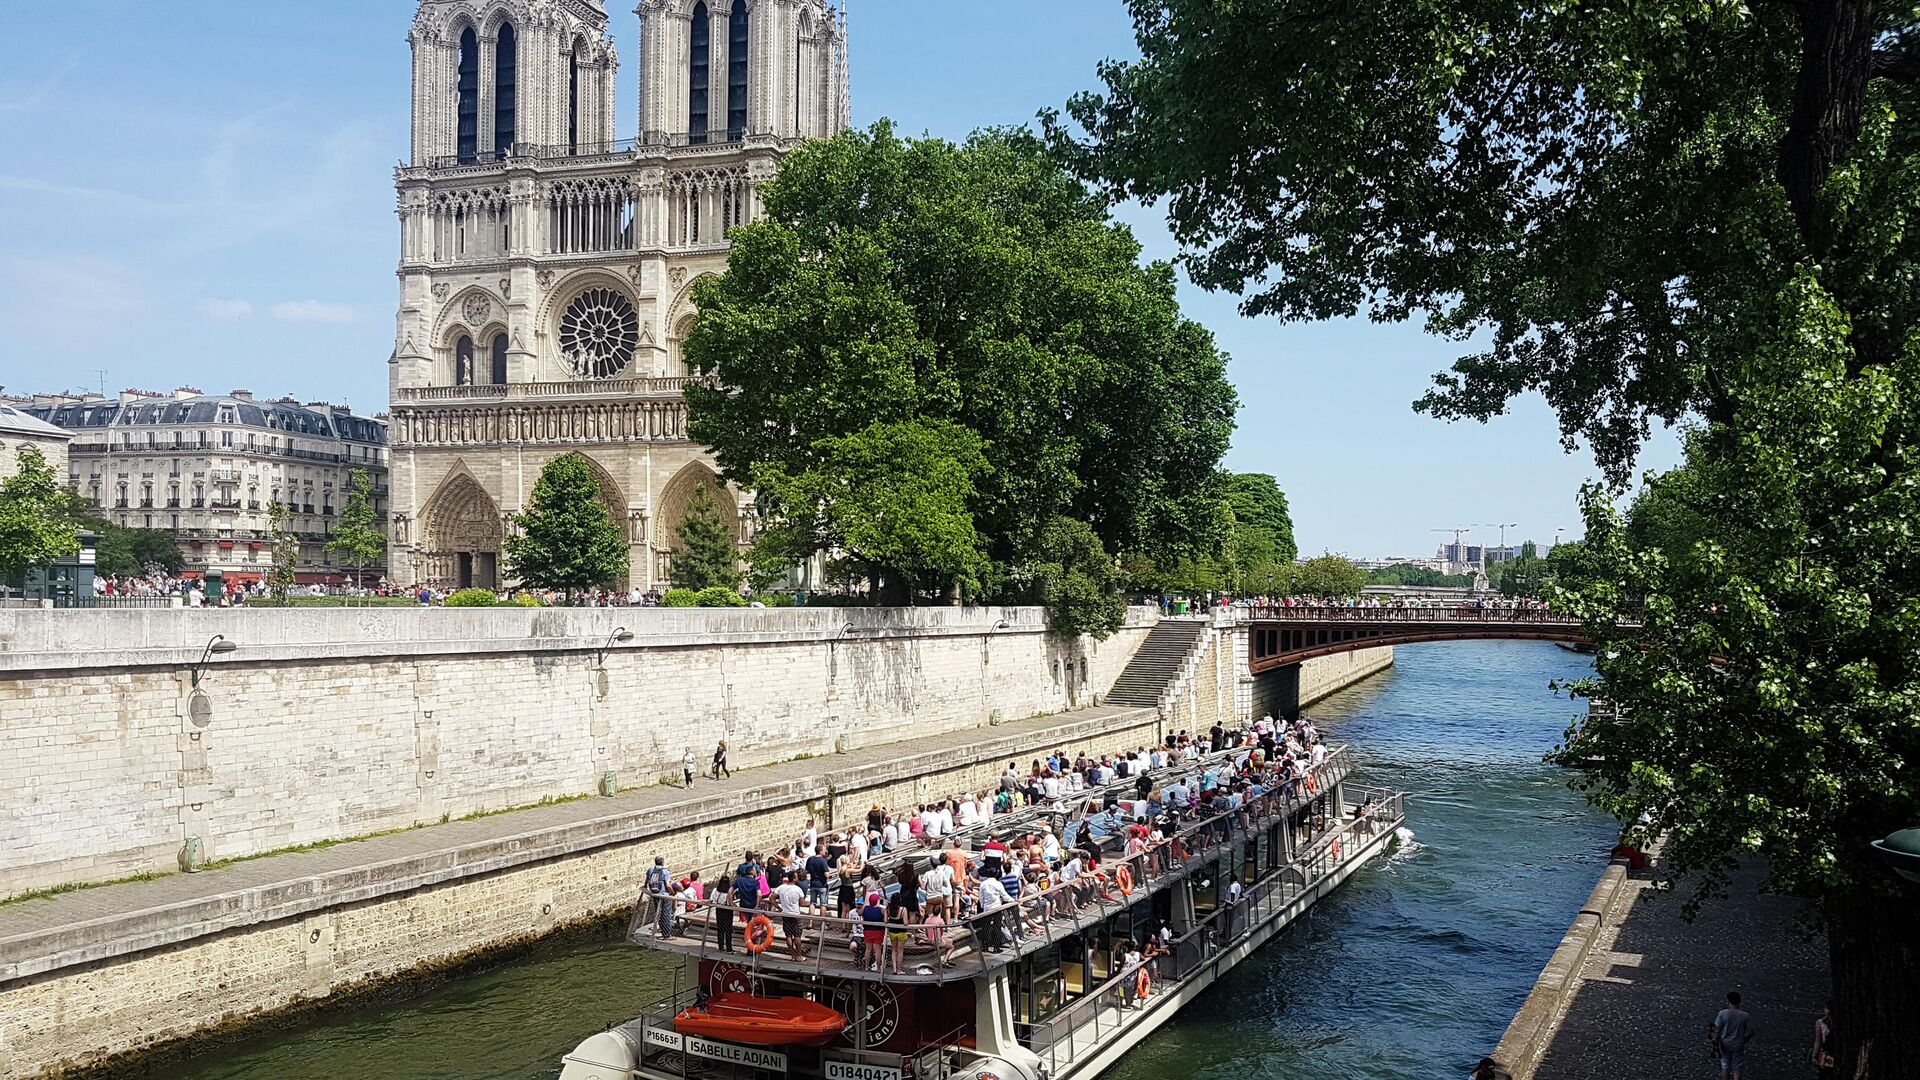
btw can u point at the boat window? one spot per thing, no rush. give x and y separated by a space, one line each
1206 888
1073 966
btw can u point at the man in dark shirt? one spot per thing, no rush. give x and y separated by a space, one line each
817 883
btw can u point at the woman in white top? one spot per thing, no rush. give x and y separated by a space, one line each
969 813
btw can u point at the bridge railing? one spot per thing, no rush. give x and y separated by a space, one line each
1462 612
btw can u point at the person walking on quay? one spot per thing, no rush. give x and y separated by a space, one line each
686 766
660 892
1731 1031
1825 1064
720 761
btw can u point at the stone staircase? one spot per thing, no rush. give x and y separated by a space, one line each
1157 663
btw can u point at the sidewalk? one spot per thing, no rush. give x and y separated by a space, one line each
1641 1002
86 925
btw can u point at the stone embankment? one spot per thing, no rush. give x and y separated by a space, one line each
1633 985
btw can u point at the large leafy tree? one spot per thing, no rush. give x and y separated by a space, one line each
36 523
567 540
973 307
123 552
1653 210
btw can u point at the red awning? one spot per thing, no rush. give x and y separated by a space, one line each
226 544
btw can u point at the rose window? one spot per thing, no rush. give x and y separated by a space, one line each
599 333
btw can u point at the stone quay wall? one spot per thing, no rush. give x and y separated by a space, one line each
332 723
80 996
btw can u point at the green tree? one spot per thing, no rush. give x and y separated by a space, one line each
1650 211
283 548
973 306
568 541
1330 576
894 497
358 539
123 552
703 553
1077 581
1419 576
36 520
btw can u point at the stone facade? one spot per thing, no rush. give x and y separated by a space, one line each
207 468
336 723
547 267
20 430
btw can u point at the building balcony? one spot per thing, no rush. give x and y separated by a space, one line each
648 142
544 391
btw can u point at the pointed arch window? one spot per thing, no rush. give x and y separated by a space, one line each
469 106
463 361
506 77
573 100
498 360
697 75
737 71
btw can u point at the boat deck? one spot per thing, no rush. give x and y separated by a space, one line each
997 938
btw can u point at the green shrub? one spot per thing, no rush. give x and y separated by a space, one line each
775 599
525 599
680 598
472 598
719 596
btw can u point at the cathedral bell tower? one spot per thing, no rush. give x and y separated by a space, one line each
546 262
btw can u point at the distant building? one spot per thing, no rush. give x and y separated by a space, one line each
1462 558
206 467
20 430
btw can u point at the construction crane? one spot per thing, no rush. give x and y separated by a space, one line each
1503 527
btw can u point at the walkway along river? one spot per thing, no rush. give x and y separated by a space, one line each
1411 970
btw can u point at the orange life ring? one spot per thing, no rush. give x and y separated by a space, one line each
1313 785
1141 983
1336 850
759 934
1123 879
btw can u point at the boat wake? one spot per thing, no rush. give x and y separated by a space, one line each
1408 847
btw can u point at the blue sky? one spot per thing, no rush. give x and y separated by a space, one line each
202 193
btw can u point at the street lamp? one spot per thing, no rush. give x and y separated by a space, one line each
620 636
1902 852
218 644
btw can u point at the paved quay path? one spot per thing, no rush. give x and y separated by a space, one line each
1650 983
49 933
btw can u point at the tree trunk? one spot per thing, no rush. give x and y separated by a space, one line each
1836 60
1873 945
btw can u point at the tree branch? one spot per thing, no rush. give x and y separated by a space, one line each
1897 66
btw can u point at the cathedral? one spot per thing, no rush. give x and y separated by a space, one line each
546 263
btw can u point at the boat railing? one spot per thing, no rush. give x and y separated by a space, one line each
1060 910
1100 1012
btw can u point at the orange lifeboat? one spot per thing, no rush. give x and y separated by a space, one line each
758 1021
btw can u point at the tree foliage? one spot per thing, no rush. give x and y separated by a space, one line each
124 552
971 312
283 548
1420 576
703 551
567 540
36 523
1329 576
1652 210
357 540
1076 580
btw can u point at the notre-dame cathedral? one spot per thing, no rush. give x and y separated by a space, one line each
546 262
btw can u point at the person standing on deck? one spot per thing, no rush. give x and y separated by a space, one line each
660 891
723 910
788 897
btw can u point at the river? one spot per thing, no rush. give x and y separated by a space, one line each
1411 971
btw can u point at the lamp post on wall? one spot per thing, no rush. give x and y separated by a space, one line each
219 643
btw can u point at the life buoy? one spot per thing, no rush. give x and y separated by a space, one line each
1123 880
759 934
1336 851
1313 785
1141 983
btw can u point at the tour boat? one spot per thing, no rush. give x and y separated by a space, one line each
1041 990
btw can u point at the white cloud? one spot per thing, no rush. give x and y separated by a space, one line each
226 310
312 311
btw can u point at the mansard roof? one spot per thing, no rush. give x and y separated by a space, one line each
285 415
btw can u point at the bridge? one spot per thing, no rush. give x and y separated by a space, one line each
1283 636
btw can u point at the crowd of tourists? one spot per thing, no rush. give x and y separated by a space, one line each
951 865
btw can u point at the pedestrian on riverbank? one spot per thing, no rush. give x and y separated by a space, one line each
720 761
660 891
1732 1029
1826 1065
686 766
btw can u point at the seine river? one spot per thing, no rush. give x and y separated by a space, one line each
1410 971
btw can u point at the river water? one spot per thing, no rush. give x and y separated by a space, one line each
1412 970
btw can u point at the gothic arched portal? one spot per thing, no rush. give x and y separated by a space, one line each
461 535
